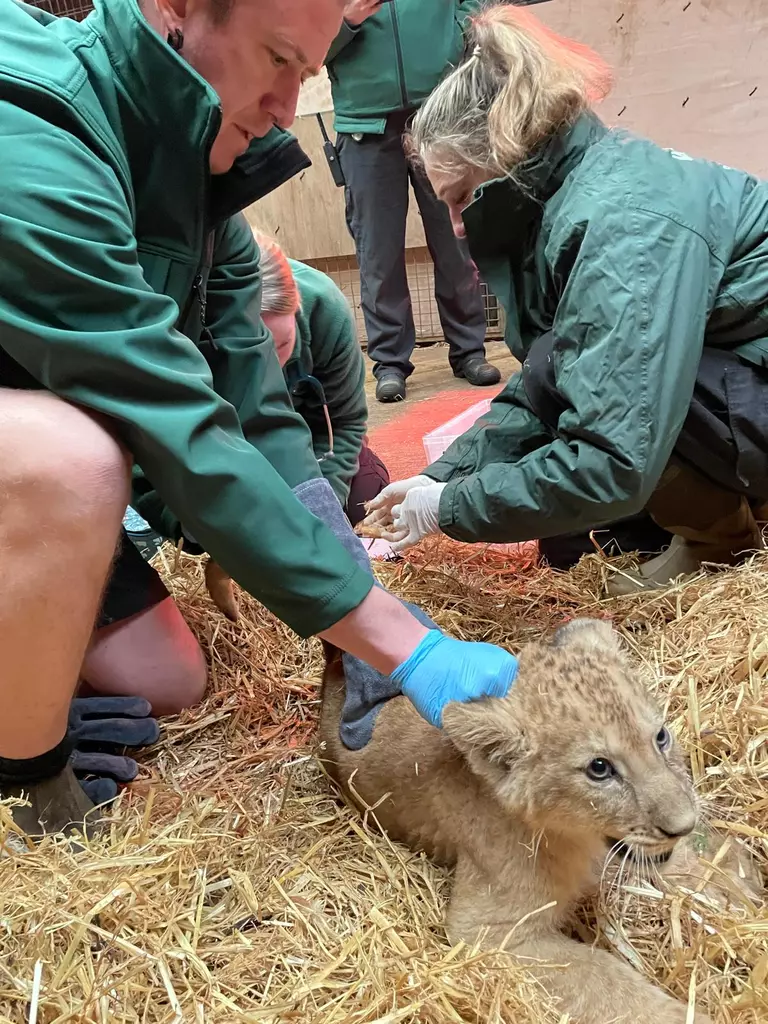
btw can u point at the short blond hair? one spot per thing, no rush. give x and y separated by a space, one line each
519 84
279 291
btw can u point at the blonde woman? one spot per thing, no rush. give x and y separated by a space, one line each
316 342
635 281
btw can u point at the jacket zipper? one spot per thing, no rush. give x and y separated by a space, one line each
199 292
202 298
399 50
208 237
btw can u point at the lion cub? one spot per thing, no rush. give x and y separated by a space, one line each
524 797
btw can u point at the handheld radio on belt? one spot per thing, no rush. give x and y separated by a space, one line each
331 155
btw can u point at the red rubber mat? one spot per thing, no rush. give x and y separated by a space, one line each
399 443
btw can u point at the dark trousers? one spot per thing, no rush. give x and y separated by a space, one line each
377 175
371 478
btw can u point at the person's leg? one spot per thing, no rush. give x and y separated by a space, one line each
63 491
709 524
457 289
717 474
637 533
371 478
376 209
142 646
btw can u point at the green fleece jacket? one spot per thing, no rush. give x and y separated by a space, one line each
131 286
635 257
327 350
393 60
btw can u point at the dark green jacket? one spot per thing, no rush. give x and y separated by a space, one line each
110 225
326 377
393 60
635 257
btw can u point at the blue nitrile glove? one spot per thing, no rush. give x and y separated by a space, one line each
98 728
442 670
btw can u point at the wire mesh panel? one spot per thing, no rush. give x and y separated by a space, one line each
421 282
76 9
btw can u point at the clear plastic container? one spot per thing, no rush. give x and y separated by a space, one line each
442 437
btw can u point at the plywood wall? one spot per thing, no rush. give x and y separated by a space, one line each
691 74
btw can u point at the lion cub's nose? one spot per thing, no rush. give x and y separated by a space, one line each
678 833
676 824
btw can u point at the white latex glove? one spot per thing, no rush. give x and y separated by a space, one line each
381 507
417 517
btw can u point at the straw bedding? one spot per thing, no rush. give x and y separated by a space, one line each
231 885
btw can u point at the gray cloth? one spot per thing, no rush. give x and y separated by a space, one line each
367 690
377 175
318 497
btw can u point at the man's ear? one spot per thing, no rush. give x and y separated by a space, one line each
588 635
487 733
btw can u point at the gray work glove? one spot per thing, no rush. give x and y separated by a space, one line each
100 729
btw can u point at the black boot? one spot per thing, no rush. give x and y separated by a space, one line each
390 386
478 371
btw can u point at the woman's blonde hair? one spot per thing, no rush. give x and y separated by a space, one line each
519 84
279 291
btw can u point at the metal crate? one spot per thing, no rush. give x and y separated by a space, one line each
421 282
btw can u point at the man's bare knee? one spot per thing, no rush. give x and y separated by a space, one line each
58 461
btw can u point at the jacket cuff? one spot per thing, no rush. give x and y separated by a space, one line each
445 508
351 593
447 514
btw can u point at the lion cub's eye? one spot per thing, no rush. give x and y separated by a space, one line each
663 739
600 769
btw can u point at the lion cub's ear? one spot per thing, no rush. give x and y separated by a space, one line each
487 734
588 635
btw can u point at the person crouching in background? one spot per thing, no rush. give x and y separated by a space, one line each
316 342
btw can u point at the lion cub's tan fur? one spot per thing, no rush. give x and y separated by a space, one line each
501 795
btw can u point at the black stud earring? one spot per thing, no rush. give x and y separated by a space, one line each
175 39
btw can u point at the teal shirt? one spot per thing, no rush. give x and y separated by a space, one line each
393 60
328 350
635 257
131 286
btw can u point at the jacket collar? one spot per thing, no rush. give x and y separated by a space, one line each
544 173
502 212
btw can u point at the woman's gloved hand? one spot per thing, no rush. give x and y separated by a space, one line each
406 511
417 517
442 670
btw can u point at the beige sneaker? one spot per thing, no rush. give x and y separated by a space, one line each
681 558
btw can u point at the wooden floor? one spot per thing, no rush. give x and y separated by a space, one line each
431 376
